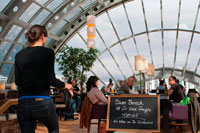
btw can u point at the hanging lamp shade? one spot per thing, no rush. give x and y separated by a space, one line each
91 43
145 61
150 70
153 71
139 63
91 31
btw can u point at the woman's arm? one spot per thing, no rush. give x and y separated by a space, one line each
17 75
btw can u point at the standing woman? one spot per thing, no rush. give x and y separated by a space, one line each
34 74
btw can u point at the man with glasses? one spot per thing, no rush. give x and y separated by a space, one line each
175 92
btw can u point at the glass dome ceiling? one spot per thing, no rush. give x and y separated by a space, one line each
166 32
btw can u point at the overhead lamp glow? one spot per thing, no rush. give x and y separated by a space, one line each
2 86
13 86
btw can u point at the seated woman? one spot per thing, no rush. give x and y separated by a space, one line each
93 93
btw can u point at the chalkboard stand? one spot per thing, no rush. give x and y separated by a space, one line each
133 113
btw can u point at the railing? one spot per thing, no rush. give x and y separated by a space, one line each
7 104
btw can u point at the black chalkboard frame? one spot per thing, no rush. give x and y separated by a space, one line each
129 96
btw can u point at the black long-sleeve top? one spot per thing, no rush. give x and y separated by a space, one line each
34 71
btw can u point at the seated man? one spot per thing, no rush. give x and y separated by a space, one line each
69 95
175 92
77 95
126 88
107 89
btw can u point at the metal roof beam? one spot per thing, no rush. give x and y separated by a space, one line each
100 61
177 33
146 26
120 45
190 45
162 34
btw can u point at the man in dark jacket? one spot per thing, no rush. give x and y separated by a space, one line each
175 92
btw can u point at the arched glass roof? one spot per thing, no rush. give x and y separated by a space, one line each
167 33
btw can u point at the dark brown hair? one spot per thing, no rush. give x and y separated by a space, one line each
91 82
35 32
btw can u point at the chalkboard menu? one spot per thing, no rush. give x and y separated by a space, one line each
133 113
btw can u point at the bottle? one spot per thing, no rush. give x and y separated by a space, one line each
157 91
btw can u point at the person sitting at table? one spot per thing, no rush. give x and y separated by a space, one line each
193 92
72 102
175 92
107 89
161 89
182 87
126 88
93 93
77 95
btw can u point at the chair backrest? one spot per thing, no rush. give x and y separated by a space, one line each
2 96
179 112
60 99
12 94
98 111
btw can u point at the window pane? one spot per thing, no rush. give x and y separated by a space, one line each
108 61
54 4
194 53
15 50
58 27
121 25
156 47
4 47
100 71
143 46
129 47
121 60
87 3
13 33
170 10
182 48
105 28
3 4
188 13
6 70
42 2
170 40
136 17
77 42
29 13
41 17
73 13
152 11
22 39
197 28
